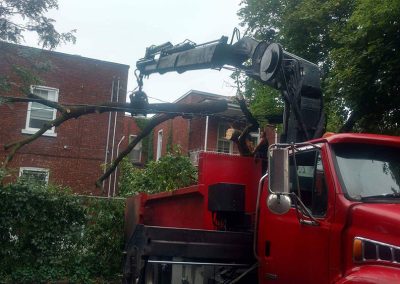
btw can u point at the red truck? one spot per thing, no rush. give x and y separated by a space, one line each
326 211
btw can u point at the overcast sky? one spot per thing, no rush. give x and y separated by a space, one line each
120 30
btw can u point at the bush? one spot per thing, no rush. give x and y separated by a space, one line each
47 234
170 172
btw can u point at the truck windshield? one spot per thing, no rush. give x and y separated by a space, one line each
369 171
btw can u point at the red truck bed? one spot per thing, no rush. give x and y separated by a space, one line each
188 207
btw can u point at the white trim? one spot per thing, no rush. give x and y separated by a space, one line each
201 93
206 135
31 130
22 169
159 144
256 135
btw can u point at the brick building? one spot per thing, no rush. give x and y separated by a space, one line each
199 133
71 154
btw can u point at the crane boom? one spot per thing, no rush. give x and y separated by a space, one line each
296 78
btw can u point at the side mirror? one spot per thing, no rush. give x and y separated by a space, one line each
278 201
278 170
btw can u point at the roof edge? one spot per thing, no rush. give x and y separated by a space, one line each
64 54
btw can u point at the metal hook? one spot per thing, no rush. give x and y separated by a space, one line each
139 79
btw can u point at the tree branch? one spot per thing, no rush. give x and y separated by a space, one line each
146 131
48 103
74 111
33 98
77 111
242 140
19 144
249 116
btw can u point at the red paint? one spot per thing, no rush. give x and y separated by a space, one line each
188 207
297 253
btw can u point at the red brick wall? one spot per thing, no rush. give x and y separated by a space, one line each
75 156
186 132
190 133
197 133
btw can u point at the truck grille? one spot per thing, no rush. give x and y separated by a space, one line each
378 251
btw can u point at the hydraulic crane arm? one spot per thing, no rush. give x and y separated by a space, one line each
189 56
296 78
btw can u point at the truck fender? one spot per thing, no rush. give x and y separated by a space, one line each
370 274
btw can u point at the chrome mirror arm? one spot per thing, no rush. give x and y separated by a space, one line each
304 211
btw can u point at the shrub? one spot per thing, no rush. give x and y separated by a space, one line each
48 234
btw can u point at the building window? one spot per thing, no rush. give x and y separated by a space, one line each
34 175
39 114
159 144
254 138
136 153
223 145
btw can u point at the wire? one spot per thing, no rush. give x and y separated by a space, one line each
157 99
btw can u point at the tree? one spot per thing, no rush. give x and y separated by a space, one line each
356 44
20 16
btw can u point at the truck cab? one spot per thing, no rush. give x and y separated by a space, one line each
336 218
349 230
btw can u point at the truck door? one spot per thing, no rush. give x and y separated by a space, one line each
295 252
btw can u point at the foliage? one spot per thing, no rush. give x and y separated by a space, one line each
366 72
3 174
264 102
47 235
171 171
20 16
356 44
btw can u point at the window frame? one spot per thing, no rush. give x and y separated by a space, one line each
338 171
130 138
317 153
159 144
44 170
31 130
223 139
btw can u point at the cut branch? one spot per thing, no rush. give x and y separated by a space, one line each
249 116
68 112
48 103
146 131
17 145
243 144
242 140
